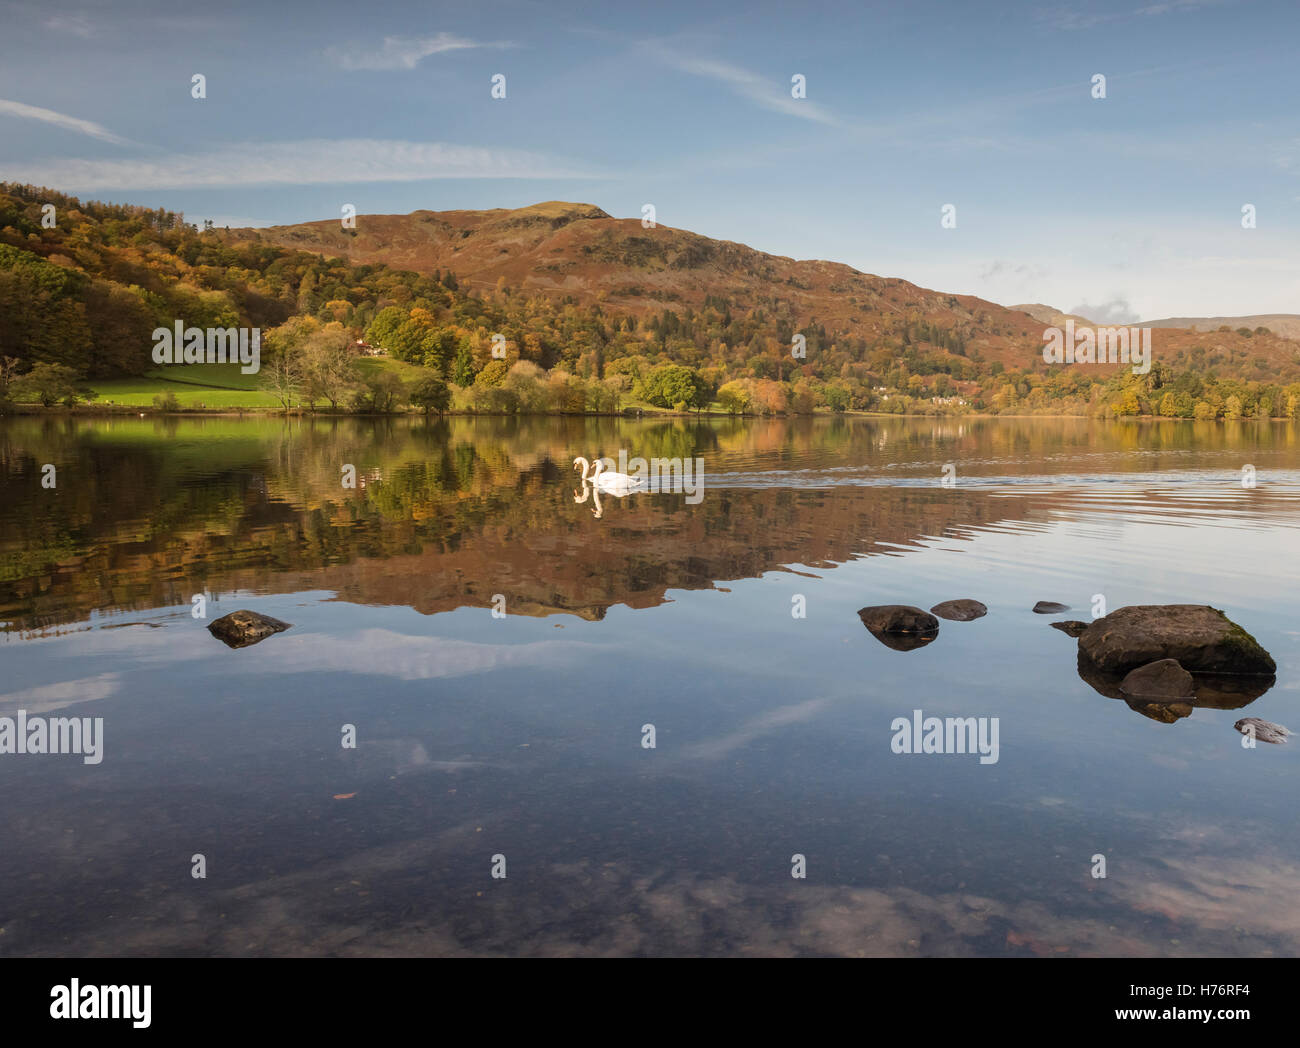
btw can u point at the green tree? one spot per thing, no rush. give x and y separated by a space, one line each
733 397
462 372
672 384
431 394
50 384
837 398
381 394
493 374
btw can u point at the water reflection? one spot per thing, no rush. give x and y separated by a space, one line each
148 513
480 734
1213 691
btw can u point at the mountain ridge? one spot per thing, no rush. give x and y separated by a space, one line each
580 251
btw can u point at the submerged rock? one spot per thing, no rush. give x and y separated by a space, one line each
898 618
1200 638
1161 681
1071 626
239 629
1265 731
1050 607
961 610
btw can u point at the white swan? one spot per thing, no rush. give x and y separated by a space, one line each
586 468
616 484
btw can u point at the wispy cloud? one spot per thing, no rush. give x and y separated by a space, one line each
763 91
1069 18
402 52
307 162
68 123
77 25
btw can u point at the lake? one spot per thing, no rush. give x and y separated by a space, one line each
503 651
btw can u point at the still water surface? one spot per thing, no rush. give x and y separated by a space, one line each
522 736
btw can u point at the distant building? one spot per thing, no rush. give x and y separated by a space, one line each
367 350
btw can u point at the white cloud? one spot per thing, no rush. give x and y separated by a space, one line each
382 652
306 162
49 697
77 25
399 52
1070 19
68 123
1115 311
764 91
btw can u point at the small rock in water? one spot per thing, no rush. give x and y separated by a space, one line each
239 629
1050 607
961 610
1161 681
898 618
900 626
1265 731
1071 626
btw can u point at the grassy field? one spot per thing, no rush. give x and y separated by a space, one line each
218 386
223 387
193 385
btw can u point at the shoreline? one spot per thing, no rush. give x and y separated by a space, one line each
111 411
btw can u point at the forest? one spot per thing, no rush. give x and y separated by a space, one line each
84 284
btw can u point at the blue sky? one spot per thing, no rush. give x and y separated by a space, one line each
1125 207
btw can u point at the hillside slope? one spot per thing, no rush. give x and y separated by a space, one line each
578 250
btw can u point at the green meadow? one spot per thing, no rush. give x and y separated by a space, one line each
217 386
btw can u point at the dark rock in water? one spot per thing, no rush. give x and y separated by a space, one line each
960 610
1265 731
898 618
900 626
1201 638
1162 681
1050 607
239 629
1071 626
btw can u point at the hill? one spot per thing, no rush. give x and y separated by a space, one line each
579 252
1287 325
560 307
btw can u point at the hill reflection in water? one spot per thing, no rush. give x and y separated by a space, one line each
480 735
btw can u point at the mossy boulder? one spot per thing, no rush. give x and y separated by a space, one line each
1202 639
